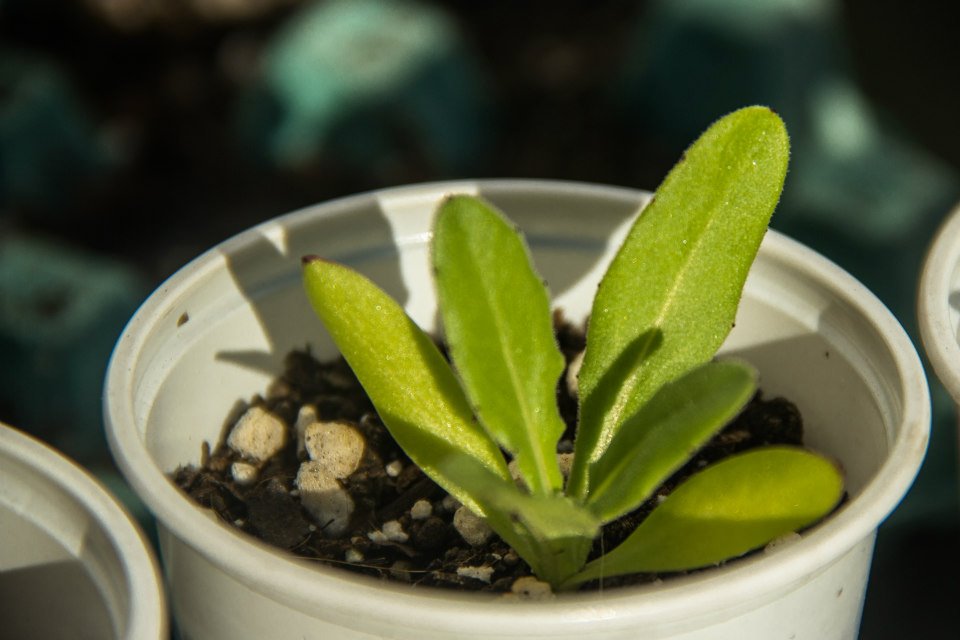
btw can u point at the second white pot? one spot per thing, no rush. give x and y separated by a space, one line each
938 304
218 330
73 564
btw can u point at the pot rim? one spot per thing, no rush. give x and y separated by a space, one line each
269 571
938 331
146 616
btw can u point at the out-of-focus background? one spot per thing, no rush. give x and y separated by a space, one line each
134 134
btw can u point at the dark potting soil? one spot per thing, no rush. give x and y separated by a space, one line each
387 484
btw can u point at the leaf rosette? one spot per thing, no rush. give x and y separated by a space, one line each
651 390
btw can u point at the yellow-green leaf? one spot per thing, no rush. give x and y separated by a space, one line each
679 274
680 418
499 328
734 506
406 377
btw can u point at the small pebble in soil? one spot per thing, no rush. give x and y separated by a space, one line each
421 510
244 473
471 527
529 588
394 532
449 503
394 469
337 446
321 495
378 537
353 556
482 573
258 435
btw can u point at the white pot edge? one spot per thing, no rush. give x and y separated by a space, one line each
938 278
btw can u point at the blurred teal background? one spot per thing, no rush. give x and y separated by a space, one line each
135 134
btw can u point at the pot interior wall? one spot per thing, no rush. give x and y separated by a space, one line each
227 347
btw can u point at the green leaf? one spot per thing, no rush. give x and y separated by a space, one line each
665 433
498 325
680 272
551 533
734 506
409 382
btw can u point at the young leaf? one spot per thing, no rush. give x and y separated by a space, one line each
729 508
665 433
680 271
411 385
498 325
551 533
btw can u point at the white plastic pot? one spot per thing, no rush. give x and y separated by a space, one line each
73 564
938 304
218 330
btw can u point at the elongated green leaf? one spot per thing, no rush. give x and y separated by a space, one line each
411 385
551 533
729 508
680 271
498 325
665 433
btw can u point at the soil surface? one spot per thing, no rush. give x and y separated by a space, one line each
429 550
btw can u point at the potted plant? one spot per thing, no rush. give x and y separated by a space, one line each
73 563
228 319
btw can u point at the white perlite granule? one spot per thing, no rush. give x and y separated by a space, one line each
336 445
394 531
258 435
323 497
483 573
471 527
244 473
421 510
529 588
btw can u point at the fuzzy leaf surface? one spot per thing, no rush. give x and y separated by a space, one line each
406 377
656 441
734 506
679 274
499 328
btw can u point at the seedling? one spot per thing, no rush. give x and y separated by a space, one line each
651 391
